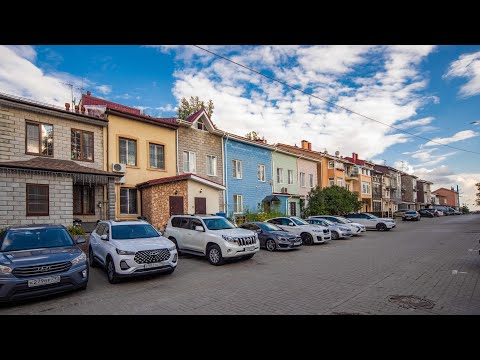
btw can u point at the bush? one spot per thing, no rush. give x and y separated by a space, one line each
76 231
333 200
260 216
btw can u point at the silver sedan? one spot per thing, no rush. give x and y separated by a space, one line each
338 231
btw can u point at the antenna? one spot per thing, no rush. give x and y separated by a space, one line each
384 162
71 89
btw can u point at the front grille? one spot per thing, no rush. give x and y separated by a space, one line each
249 240
296 239
151 256
45 269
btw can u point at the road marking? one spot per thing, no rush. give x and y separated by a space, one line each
455 272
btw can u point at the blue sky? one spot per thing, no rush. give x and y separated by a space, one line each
433 91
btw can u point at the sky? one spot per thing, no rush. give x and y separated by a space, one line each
431 91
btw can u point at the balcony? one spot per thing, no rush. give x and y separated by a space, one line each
339 166
351 176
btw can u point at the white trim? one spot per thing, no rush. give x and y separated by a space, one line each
215 167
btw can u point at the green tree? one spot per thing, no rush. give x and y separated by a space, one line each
191 106
333 200
465 209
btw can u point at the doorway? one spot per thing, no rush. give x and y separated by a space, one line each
293 209
176 205
200 205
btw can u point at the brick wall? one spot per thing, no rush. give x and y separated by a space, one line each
156 204
13 199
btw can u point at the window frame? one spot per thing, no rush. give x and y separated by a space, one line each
214 167
128 201
81 145
83 212
39 125
331 181
282 177
204 127
263 172
368 184
164 156
120 138
235 169
304 182
235 203
310 181
332 163
194 171
340 180
27 201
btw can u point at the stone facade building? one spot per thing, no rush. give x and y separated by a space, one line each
424 195
409 192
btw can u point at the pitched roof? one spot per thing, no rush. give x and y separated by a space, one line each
192 117
435 191
358 162
187 176
54 165
310 153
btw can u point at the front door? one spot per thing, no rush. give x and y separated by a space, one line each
293 209
200 205
176 205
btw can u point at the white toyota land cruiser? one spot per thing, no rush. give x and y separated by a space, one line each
212 236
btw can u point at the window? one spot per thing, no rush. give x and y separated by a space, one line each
365 187
83 200
279 176
82 145
127 151
310 180
290 176
237 169
189 162
261 172
157 156
331 164
340 182
331 181
302 179
39 139
377 206
201 125
128 201
100 228
347 186
238 204
211 165
37 200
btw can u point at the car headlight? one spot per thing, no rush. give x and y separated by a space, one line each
282 238
172 248
5 269
124 252
230 239
79 259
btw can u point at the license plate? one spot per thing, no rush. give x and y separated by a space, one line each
152 265
44 281
250 248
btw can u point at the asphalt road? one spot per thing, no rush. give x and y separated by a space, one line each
435 260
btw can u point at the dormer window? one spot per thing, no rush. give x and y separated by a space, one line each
201 125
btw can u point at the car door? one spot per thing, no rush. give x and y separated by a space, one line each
262 235
196 239
95 238
182 231
104 245
369 222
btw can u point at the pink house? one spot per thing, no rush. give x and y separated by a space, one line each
307 176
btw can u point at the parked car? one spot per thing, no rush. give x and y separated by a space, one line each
310 234
212 236
456 212
426 213
355 227
337 231
399 213
39 260
130 248
449 211
372 221
411 215
433 211
272 237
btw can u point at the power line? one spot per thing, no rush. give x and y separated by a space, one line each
330 102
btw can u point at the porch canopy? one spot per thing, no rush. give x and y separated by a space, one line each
271 198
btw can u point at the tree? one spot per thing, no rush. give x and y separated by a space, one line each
189 107
333 200
465 209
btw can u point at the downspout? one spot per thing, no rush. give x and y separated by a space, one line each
106 207
225 169
176 149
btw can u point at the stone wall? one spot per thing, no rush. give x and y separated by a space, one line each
156 204
13 190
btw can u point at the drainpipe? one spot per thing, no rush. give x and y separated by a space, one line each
225 169
176 146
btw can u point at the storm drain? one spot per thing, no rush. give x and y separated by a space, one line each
411 302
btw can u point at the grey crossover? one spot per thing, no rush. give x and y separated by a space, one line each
272 237
338 231
38 260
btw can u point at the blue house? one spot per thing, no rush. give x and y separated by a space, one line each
248 165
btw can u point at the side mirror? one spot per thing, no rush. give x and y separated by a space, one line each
81 240
199 228
104 237
259 231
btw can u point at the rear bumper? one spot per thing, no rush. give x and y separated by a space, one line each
12 289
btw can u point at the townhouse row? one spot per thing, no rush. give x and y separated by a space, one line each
103 160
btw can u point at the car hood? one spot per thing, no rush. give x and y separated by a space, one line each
238 232
143 244
283 234
39 256
355 224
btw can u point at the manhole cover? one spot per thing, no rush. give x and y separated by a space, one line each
345 313
411 301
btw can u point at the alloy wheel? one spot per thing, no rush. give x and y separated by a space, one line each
214 255
270 245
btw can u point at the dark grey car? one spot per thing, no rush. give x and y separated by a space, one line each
38 260
272 237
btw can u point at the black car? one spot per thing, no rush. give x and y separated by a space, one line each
411 215
39 260
272 237
426 213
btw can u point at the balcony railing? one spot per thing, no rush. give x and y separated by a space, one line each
351 176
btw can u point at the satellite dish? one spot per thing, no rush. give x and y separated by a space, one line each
337 153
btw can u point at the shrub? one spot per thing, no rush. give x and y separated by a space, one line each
76 231
261 216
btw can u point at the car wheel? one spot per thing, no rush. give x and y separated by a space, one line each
335 235
381 226
307 239
214 255
91 259
111 273
403 219
172 239
84 287
249 256
270 245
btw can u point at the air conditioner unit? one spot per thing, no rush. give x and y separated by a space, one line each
284 190
121 180
117 167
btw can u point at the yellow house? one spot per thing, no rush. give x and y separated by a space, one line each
360 177
141 147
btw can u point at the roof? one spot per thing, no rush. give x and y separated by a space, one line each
54 165
310 153
91 100
245 140
270 198
194 116
435 191
187 176
425 181
358 162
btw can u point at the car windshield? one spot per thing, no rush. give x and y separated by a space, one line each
130 232
411 212
370 216
328 222
35 238
299 221
269 227
218 224
343 220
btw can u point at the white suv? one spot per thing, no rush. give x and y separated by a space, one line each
130 248
212 236
309 233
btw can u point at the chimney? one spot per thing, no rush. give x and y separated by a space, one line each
89 93
305 144
354 157
309 146
67 106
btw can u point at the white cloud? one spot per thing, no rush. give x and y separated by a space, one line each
467 66
414 123
142 108
24 51
459 136
104 89
166 108
125 96
404 166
